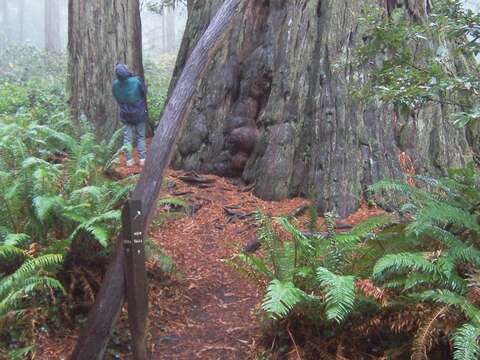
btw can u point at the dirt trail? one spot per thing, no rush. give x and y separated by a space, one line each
209 314
206 310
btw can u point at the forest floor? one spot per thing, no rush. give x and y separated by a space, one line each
205 309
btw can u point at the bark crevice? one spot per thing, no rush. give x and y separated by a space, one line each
276 107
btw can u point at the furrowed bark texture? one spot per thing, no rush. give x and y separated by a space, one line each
276 107
94 337
101 34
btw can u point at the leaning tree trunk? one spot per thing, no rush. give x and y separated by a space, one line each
101 34
52 25
92 341
275 107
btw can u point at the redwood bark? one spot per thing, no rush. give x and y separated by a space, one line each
276 107
101 34
94 337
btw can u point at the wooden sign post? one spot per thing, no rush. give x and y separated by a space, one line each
135 276
94 337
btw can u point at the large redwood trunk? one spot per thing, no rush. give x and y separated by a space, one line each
101 34
276 108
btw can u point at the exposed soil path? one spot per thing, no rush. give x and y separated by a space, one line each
211 316
205 309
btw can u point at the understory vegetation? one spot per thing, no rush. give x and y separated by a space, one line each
404 285
401 284
58 209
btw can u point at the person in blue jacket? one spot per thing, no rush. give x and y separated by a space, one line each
130 93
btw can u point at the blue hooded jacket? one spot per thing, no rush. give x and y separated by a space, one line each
130 93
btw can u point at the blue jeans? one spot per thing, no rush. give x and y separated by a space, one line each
128 139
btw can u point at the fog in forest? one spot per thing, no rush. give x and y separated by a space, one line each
474 5
44 24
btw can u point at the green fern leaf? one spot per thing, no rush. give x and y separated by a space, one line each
94 226
465 342
256 264
17 239
95 192
339 294
46 205
299 237
100 234
10 252
281 297
450 298
27 288
444 214
403 262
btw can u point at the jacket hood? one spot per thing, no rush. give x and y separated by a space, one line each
121 71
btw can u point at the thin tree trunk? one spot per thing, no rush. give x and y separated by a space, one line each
52 25
21 20
93 339
100 35
164 34
170 33
5 18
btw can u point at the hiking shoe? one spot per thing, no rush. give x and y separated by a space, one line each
130 162
142 162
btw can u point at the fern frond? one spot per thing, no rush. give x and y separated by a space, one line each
28 269
119 195
94 192
21 353
450 298
286 261
9 252
113 142
34 162
46 205
281 297
58 137
94 226
466 255
410 194
334 259
413 281
47 262
16 239
401 263
28 287
269 240
424 337
418 228
444 214
255 264
437 185
298 236
339 294
465 342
